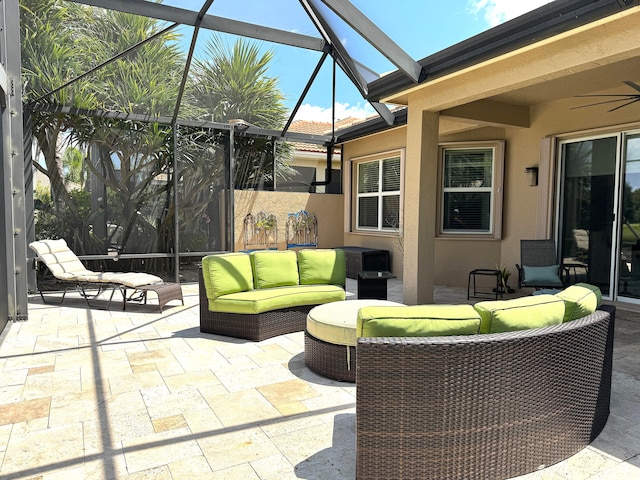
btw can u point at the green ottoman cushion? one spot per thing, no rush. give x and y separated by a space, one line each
322 266
520 313
274 269
580 300
418 321
226 273
336 322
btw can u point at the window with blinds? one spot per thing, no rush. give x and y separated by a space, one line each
378 194
467 190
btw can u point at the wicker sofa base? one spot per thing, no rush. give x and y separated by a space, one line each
489 406
255 327
329 360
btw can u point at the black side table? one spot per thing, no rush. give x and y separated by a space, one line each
479 294
373 284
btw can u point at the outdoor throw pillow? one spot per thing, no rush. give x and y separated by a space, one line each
580 300
520 313
542 275
274 269
227 273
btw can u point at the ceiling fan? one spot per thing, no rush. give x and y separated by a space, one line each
628 98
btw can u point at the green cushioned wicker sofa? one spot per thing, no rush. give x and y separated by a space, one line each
266 293
489 391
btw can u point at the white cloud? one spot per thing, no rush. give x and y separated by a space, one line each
499 11
315 113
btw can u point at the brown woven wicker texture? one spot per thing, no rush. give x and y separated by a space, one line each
329 360
482 407
255 327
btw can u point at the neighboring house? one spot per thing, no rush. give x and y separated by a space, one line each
525 99
310 160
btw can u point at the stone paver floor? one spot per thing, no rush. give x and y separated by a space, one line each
140 394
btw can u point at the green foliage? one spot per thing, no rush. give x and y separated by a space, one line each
133 161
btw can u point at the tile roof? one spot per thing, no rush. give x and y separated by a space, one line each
318 128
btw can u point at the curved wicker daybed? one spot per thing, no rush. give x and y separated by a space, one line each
477 407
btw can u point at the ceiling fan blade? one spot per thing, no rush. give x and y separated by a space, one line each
633 85
637 99
627 97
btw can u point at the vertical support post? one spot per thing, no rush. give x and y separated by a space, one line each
231 230
420 187
13 240
176 219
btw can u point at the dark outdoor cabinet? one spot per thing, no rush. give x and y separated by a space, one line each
361 259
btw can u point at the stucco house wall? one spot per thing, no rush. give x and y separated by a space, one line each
523 205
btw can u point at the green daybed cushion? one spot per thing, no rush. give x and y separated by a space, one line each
227 273
520 313
322 267
417 321
580 300
259 301
273 268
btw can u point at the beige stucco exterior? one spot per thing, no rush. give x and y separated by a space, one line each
527 99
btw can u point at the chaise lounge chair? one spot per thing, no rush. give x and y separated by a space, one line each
67 268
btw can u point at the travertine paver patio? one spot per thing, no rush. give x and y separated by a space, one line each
141 394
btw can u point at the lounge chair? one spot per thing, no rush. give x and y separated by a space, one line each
539 267
67 268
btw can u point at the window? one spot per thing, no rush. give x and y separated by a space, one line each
378 193
471 201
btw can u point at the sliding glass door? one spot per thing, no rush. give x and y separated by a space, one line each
587 209
629 273
599 221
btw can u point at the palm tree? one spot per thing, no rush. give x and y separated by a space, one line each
232 82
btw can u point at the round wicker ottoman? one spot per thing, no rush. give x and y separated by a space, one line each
330 338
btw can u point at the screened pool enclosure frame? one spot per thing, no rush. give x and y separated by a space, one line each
17 188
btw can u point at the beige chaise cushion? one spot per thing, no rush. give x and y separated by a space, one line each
66 266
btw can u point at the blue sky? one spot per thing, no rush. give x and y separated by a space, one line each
420 27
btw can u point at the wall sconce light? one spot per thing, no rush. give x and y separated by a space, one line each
532 175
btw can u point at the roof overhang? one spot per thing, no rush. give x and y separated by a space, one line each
551 20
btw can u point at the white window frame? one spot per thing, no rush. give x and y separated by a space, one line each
380 157
496 189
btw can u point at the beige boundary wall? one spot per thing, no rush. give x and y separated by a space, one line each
328 209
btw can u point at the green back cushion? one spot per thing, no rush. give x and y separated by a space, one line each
227 273
520 314
274 268
542 275
417 321
580 300
322 267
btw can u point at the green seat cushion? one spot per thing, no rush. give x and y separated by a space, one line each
265 300
580 300
322 267
542 275
520 313
336 322
227 273
273 268
417 321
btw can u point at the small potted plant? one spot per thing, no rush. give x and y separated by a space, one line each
504 280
